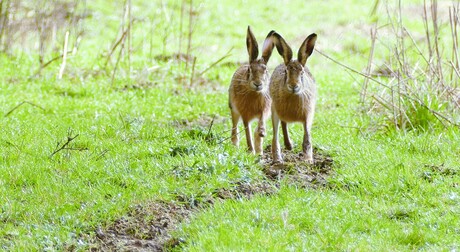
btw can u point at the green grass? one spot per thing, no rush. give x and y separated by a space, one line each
325 220
389 191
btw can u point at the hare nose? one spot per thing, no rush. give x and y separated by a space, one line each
257 84
295 88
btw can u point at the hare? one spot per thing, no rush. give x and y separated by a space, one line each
293 91
248 93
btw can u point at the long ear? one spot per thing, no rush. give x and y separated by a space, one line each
283 48
251 44
268 47
306 49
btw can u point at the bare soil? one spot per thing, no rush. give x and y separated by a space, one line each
298 172
148 227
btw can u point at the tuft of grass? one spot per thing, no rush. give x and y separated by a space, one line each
416 88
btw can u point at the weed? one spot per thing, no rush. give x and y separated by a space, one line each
418 91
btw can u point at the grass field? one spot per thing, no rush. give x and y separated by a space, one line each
130 138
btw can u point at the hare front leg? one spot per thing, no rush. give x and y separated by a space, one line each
287 141
235 120
276 152
307 150
247 129
259 135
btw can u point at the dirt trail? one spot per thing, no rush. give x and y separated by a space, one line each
138 231
148 227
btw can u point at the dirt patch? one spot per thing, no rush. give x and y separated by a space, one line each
246 190
148 227
297 171
145 228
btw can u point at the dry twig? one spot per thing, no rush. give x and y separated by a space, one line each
20 104
64 146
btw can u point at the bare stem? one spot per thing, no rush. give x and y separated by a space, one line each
63 147
64 55
369 63
20 104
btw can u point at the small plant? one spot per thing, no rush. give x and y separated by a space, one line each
417 88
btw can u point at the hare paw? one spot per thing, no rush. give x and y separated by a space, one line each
307 158
261 131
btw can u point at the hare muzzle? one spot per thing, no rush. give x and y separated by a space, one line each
294 89
257 86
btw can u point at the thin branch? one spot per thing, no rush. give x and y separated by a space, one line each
47 63
116 64
64 55
190 32
351 69
122 38
63 147
210 127
130 21
102 154
193 71
369 62
20 104
227 138
217 61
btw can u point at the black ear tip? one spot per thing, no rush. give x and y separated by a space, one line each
277 35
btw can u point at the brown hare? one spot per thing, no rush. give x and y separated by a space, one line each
248 93
293 91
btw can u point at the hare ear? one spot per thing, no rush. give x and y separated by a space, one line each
251 44
306 49
283 48
268 47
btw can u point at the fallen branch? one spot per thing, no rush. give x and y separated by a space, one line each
64 146
42 66
20 104
102 154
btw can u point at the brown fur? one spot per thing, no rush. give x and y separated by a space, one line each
293 91
249 98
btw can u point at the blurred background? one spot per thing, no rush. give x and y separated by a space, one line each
404 45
